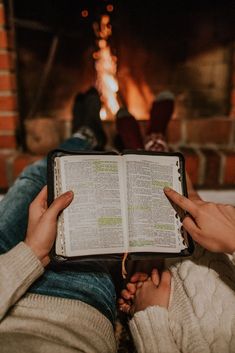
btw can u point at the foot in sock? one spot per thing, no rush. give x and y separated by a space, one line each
128 130
160 116
86 118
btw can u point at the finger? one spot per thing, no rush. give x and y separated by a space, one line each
139 277
59 204
126 294
131 287
194 196
155 277
227 210
41 198
191 227
192 193
139 284
181 201
125 308
165 279
121 301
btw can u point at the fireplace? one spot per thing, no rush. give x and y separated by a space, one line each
49 53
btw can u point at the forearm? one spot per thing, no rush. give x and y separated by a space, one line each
19 268
151 332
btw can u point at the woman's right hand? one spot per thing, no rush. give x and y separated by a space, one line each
211 225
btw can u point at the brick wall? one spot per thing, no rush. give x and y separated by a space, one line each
11 159
8 98
208 144
232 111
209 149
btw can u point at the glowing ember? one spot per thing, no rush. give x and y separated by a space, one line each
106 67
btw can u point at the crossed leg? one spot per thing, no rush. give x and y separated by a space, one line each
90 283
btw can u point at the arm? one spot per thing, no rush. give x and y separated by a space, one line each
148 299
211 225
151 332
22 265
19 268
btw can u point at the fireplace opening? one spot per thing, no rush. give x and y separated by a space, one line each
130 51
187 49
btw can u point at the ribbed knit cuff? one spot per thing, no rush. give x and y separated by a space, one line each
21 265
151 332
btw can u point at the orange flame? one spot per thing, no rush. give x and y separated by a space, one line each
106 68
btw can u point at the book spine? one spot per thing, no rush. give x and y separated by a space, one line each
180 214
58 192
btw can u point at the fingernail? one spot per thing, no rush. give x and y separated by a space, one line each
166 188
69 194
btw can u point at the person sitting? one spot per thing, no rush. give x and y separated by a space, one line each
42 309
189 307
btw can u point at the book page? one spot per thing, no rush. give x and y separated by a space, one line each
152 222
94 222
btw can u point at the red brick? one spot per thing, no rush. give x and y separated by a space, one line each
233 78
192 163
8 102
21 161
5 61
7 82
212 168
7 141
2 15
3 39
229 169
233 97
3 172
232 113
8 123
213 130
174 134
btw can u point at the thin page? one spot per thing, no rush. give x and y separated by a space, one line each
94 222
153 226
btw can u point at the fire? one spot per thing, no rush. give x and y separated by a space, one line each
106 68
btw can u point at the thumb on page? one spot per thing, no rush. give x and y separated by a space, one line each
59 204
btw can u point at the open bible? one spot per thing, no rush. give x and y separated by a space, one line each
119 205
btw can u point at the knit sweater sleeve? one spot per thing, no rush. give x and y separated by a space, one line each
19 268
151 332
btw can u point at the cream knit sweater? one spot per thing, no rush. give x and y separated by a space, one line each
201 316
37 323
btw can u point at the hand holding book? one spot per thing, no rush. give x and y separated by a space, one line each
41 230
119 205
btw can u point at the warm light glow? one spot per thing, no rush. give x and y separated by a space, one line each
84 13
138 94
102 43
109 8
106 67
103 114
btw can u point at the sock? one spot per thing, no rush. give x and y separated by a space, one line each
161 113
129 130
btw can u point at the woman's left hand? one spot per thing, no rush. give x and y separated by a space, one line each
42 223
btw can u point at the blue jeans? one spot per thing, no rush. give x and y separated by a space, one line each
92 283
